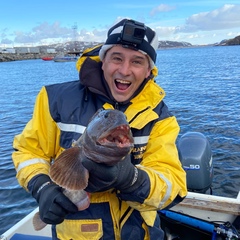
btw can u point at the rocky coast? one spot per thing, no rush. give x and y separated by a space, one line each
8 57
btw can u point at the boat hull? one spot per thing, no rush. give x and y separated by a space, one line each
195 207
47 58
65 59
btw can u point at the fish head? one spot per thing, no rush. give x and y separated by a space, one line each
108 137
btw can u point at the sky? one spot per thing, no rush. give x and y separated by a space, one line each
40 22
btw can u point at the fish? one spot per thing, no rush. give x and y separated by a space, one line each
107 139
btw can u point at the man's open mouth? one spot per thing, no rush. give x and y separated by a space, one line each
122 84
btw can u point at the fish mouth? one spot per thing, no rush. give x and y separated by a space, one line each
120 137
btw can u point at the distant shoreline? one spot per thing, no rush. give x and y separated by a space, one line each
9 57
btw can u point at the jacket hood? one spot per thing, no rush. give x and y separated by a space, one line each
90 75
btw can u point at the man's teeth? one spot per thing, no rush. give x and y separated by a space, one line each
122 81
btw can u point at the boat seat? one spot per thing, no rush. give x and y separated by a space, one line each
18 236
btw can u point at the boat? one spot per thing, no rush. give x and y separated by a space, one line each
24 230
65 58
199 216
203 217
47 58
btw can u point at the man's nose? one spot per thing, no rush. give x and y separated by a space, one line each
125 68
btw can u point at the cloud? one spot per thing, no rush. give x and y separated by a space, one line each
226 17
161 8
6 41
4 38
164 32
233 34
49 33
42 32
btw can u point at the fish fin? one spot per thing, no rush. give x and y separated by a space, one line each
68 172
38 224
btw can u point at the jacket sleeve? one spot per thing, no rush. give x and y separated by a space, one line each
161 163
38 144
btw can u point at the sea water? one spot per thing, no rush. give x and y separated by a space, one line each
202 88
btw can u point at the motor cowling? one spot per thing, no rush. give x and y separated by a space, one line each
196 157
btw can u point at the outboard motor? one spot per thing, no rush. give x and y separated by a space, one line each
196 157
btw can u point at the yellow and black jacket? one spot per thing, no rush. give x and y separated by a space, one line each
62 112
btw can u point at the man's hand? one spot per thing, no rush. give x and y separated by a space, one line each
53 204
102 177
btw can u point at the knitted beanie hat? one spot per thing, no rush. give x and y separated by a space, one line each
134 35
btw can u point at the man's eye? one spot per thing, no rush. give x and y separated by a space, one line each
117 59
137 62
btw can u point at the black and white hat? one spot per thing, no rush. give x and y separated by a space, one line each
145 40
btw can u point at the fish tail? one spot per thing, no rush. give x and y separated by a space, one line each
84 204
80 198
38 224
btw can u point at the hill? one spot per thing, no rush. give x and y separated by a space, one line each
230 42
173 44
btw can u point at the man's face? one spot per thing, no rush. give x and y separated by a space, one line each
124 70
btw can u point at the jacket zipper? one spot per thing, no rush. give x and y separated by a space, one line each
139 114
116 105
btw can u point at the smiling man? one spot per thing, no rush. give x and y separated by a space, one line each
124 70
124 197
128 57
